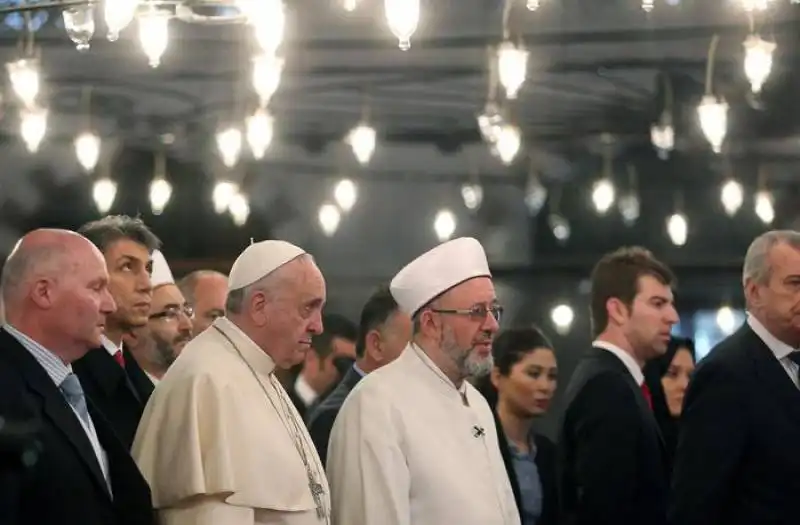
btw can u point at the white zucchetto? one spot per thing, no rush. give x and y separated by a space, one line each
259 260
161 273
436 271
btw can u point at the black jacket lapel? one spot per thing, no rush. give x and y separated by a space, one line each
771 372
55 407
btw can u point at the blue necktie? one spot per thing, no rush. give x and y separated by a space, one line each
795 358
73 391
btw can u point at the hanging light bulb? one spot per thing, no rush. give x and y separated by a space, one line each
362 140
403 17
154 34
508 143
79 25
648 5
345 193
713 116
349 5
491 123
25 79
533 5
535 195
444 225
160 193
87 149
33 127
118 15
268 19
757 61
562 317
512 67
260 130
560 227
677 229
662 135
629 208
731 196
267 71
764 207
239 208
222 195
329 218
755 5
104 192
229 144
473 196
726 320
603 195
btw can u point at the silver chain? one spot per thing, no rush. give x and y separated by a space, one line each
299 441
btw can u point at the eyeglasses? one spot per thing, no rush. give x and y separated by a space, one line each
174 313
477 312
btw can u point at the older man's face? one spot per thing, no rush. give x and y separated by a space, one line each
209 300
169 327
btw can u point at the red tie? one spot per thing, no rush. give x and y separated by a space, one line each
119 358
647 395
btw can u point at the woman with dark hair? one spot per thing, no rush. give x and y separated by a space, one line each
668 377
520 388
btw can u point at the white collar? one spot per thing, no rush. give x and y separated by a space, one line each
110 347
152 378
626 358
778 347
304 391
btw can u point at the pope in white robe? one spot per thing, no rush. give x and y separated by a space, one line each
220 442
411 445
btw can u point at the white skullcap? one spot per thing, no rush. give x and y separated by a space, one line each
436 271
161 273
259 260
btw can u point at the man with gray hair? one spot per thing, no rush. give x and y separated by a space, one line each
735 460
220 441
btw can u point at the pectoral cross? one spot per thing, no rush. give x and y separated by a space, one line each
317 492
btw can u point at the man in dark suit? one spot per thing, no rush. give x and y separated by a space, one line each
110 374
383 333
735 462
319 373
55 288
611 462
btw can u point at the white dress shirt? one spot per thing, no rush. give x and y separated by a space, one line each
304 391
626 358
779 348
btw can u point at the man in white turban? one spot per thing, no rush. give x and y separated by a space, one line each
156 345
220 442
414 443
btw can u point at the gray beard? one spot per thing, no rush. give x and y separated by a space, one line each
463 358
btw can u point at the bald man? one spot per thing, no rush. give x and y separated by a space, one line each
55 290
205 291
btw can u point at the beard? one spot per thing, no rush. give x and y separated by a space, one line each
467 361
164 351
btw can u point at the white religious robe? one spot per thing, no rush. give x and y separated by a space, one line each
405 450
213 447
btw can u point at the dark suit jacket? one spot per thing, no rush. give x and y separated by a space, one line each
320 420
611 464
64 484
545 463
736 460
121 395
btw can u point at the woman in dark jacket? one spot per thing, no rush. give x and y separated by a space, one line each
519 389
668 377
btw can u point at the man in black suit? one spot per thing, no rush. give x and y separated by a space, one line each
55 288
110 374
735 462
383 333
319 373
611 461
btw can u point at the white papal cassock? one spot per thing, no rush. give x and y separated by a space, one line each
406 450
213 442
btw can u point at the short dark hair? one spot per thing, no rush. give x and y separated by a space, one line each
377 310
617 275
512 345
112 228
335 326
